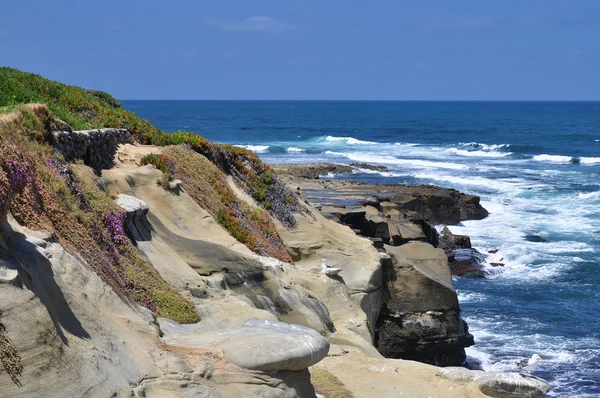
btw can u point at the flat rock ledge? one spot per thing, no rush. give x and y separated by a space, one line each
259 344
499 384
274 346
95 147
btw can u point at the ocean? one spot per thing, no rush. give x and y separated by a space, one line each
536 166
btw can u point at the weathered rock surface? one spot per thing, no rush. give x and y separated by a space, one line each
312 171
275 346
442 206
436 205
259 344
468 262
369 166
96 148
512 385
421 318
368 376
499 384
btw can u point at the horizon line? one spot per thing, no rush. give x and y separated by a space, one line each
354 100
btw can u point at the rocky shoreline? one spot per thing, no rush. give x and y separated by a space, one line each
400 222
367 285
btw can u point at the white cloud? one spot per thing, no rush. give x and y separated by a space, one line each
252 24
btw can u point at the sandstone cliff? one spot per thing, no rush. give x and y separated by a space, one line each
184 268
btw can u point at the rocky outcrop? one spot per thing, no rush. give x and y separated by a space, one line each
95 147
421 318
136 222
312 171
442 206
274 346
499 384
462 258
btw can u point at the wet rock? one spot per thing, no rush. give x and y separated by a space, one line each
535 238
468 262
456 241
369 166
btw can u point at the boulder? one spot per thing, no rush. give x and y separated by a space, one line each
457 241
405 231
460 374
499 384
371 201
442 206
136 221
421 319
512 385
259 344
467 262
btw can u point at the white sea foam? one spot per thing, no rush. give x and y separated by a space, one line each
293 149
553 158
405 144
349 140
470 297
496 184
589 160
255 148
381 173
487 154
589 195
391 160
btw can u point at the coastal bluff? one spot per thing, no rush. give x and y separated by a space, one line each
136 263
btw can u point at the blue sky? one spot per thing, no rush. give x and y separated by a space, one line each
304 49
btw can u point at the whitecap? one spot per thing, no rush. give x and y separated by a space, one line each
470 297
349 140
255 148
405 144
373 158
589 160
489 154
292 149
589 195
553 158
495 184
485 147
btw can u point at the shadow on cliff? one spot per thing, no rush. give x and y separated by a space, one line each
36 274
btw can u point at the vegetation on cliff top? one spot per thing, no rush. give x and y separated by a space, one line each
210 189
42 193
87 109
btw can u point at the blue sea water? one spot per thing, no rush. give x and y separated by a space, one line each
536 166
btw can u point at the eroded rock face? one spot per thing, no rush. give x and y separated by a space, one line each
421 319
